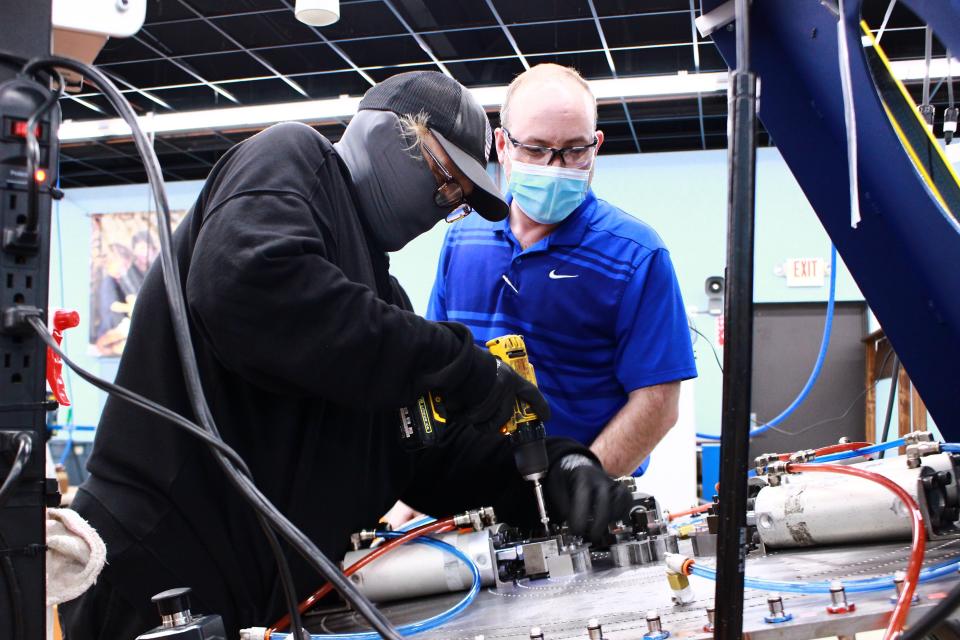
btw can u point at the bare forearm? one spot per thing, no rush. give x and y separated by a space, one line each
637 428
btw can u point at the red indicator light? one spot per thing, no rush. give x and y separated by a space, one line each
18 128
40 175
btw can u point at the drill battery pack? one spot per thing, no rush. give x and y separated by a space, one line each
422 423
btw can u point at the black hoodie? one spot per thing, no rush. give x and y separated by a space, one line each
305 355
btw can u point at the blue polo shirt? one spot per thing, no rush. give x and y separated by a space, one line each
597 302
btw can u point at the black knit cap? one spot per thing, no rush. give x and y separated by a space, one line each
455 118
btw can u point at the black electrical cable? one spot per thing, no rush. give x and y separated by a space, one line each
13 591
151 406
9 572
927 55
716 356
144 403
846 412
172 282
33 154
949 82
180 324
12 60
138 400
284 575
893 392
23 454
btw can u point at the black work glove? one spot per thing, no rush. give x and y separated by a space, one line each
490 410
582 493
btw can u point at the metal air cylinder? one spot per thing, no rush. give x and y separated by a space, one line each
416 570
812 509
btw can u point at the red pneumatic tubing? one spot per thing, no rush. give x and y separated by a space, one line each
689 512
832 448
899 615
440 526
841 447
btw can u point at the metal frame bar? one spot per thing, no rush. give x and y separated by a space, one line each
509 36
416 36
243 13
68 158
336 49
146 94
266 65
156 46
613 70
184 67
136 159
695 40
426 32
169 143
737 358
89 105
187 85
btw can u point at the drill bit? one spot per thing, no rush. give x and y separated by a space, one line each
541 504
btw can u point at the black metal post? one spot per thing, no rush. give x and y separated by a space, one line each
738 354
24 33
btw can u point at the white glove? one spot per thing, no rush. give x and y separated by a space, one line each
75 555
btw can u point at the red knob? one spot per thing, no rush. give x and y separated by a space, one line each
62 320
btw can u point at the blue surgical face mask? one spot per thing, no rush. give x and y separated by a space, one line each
548 194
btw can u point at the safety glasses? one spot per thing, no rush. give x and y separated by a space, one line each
450 193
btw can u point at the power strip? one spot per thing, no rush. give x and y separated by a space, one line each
24 270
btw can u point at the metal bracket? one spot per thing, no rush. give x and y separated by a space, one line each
717 19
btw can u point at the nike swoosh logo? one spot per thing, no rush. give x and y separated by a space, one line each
558 276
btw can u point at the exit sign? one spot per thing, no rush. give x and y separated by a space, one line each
805 272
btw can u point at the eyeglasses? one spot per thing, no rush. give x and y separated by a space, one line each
569 156
450 193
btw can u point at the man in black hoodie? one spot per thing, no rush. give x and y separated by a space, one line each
307 348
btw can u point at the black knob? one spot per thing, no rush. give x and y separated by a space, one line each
172 601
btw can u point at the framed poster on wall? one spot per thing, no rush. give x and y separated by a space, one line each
123 246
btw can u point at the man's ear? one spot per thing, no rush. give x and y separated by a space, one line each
500 143
599 135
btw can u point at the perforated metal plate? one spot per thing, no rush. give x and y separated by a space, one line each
620 599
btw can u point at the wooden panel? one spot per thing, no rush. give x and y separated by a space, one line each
919 411
870 382
903 404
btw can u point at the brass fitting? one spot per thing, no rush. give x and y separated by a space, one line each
478 519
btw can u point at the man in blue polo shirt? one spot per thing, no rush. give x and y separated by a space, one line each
591 288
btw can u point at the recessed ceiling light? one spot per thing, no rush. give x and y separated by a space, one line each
317 13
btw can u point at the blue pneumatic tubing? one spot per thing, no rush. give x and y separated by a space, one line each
874 448
423 625
817 366
416 523
855 453
862 585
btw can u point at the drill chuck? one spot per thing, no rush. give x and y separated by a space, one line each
531 457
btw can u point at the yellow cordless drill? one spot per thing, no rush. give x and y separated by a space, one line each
422 422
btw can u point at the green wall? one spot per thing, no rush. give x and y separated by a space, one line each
682 195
